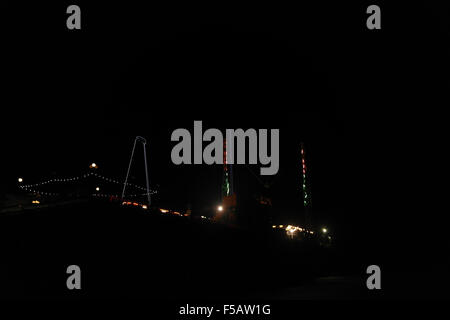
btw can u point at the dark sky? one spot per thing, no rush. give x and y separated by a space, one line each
367 104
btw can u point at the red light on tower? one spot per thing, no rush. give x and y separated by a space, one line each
306 196
304 187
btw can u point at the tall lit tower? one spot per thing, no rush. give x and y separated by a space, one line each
227 182
305 188
228 195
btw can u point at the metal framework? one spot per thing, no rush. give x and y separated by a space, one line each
144 143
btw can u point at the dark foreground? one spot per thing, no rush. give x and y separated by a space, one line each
131 253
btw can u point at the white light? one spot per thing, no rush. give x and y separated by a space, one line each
97 189
20 180
220 208
324 230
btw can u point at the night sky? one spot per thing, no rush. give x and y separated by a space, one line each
368 105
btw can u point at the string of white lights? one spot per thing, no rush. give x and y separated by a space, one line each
105 195
95 194
33 187
86 175
39 192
